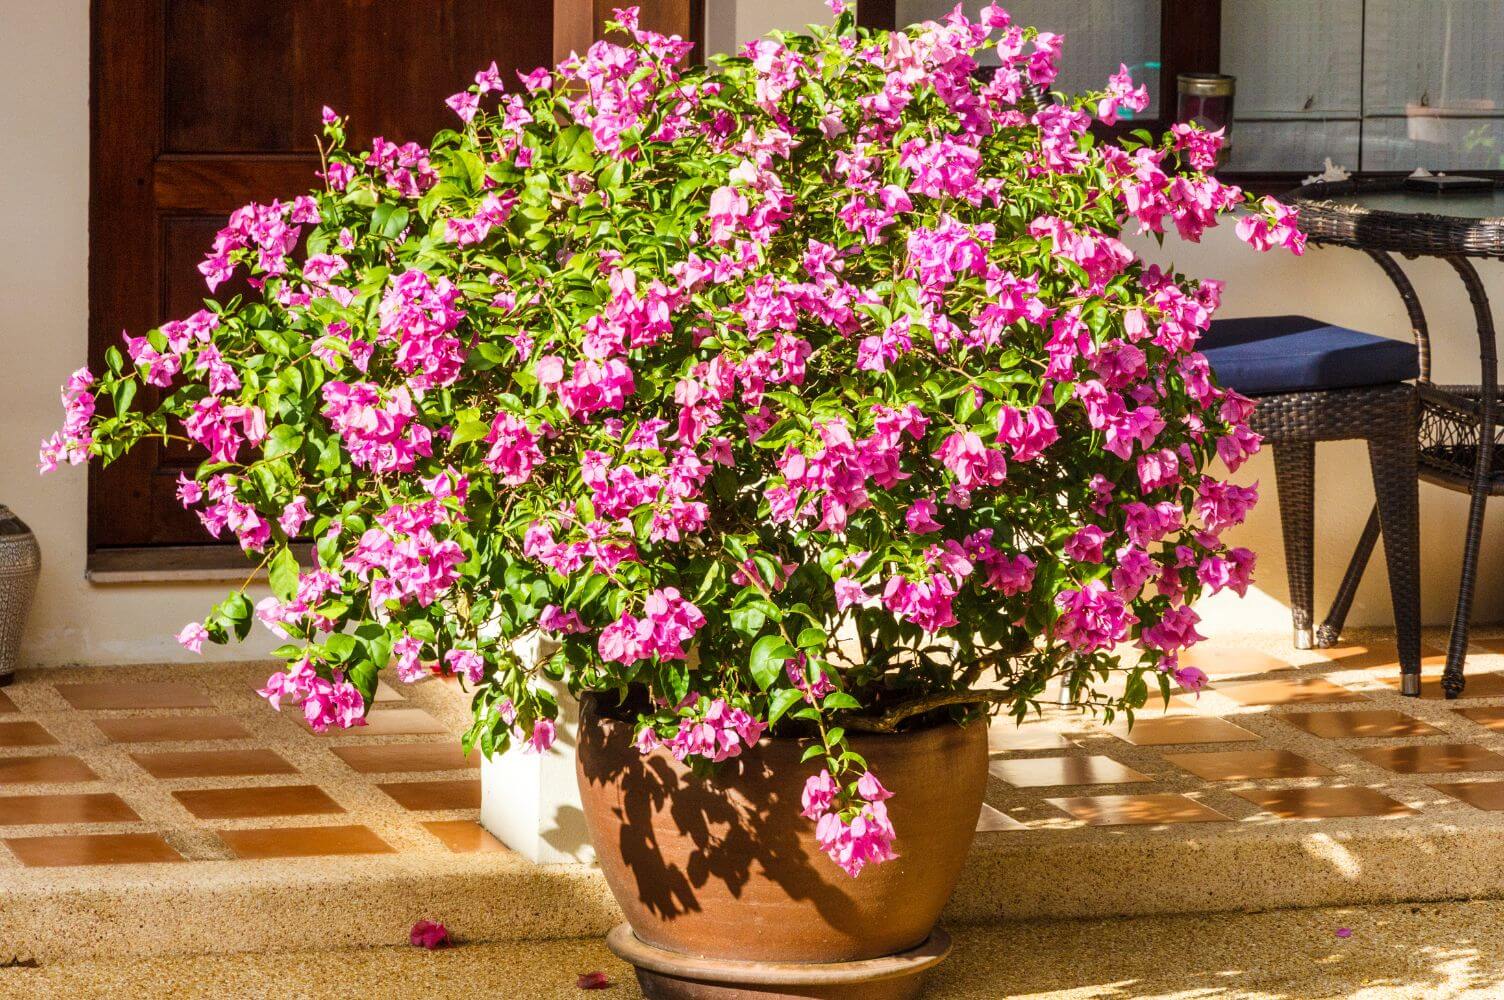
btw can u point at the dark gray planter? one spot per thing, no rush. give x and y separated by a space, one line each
20 565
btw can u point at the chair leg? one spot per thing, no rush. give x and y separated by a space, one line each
1329 631
1295 476
1452 679
1396 486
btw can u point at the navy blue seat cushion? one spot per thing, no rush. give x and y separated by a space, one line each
1263 355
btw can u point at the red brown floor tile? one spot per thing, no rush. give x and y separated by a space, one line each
24 734
1433 758
1247 765
1003 735
56 769
1295 689
393 722
212 763
1484 684
258 803
994 821
1217 660
464 836
92 849
172 728
93 807
431 796
103 695
403 758
304 842
7 707
1323 803
1488 716
1045 772
1488 795
1360 724
1170 730
1377 656
1133 810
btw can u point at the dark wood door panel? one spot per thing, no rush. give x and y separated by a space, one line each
200 106
251 77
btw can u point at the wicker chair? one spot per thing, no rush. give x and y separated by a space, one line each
1316 382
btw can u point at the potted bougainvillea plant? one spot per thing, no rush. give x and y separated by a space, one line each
697 373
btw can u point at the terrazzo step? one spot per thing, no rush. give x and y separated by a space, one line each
167 811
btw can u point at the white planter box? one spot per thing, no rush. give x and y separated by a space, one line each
530 801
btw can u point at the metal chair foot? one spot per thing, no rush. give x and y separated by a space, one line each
1305 638
1410 685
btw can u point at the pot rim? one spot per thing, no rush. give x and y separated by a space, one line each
591 716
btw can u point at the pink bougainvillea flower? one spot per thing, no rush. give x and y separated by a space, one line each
593 981
541 738
429 934
193 636
1191 678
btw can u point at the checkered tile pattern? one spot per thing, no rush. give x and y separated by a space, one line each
1280 735
174 765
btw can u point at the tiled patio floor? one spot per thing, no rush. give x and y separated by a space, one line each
146 769
1320 737
168 809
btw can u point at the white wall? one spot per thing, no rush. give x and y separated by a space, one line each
43 321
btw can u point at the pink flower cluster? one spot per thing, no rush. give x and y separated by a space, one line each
420 315
514 449
380 430
667 624
71 444
857 837
223 429
326 703
401 559
715 731
270 230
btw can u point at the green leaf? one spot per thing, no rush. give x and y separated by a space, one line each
283 575
781 701
768 657
470 430
839 700
284 439
812 638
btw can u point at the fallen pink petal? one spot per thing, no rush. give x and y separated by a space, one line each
429 934
1344 932
593 981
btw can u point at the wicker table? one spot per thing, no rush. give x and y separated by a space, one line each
1383 218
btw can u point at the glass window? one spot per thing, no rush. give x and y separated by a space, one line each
1371 84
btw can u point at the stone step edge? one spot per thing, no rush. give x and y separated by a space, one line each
164 913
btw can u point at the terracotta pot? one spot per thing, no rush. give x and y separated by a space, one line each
726 868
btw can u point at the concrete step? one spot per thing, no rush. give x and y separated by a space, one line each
1397 952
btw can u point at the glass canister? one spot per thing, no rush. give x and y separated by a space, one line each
1207 99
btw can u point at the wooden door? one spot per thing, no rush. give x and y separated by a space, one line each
200 106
